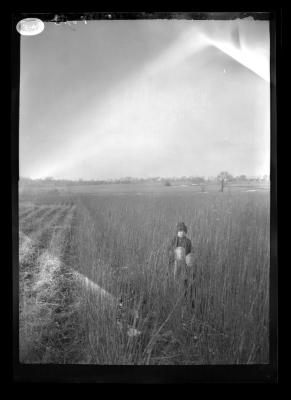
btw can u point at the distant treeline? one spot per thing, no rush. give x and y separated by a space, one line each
50 181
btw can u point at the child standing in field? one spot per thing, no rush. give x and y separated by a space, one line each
181 260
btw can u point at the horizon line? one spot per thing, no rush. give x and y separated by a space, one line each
51 178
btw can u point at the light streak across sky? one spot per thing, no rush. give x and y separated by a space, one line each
178 98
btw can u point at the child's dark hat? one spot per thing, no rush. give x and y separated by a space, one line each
181 227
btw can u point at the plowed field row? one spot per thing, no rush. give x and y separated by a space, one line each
37 219
44 227
26 210
47 312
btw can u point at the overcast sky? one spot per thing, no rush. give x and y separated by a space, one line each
110 99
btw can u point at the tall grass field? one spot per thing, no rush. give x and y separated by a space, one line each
74 246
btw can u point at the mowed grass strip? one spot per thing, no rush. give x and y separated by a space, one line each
30 251
48 331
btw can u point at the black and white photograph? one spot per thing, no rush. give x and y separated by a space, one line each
144 190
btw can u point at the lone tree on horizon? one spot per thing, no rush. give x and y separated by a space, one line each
223 177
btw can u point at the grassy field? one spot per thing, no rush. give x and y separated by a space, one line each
73 244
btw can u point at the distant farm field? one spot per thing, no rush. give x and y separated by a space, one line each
80 253
151 188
